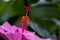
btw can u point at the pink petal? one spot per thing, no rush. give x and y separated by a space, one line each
15 33
6 26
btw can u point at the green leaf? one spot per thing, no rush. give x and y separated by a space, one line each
39 30
44 11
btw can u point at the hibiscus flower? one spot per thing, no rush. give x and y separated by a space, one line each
9 32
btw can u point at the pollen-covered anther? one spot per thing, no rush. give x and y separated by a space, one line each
25 20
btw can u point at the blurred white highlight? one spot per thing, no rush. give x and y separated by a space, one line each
6 0
39 2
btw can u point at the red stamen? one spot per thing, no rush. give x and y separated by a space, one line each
25 21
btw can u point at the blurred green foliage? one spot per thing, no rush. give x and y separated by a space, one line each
11 9
44 14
